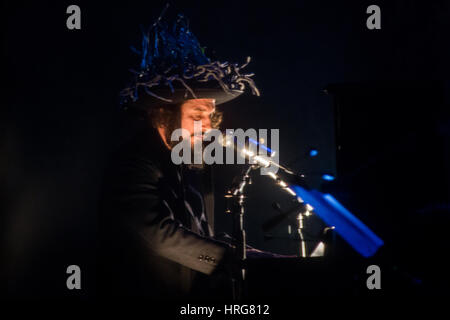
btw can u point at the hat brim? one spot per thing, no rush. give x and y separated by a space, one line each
179 95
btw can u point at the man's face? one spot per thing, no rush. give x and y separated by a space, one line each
197 110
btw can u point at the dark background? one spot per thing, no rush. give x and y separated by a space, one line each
374 103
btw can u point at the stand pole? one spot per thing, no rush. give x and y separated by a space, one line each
300 219
237 196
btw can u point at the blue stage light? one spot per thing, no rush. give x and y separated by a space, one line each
348 226
327 177
313 153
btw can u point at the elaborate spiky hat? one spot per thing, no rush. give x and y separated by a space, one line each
174 67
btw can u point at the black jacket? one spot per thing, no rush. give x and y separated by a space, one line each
148 242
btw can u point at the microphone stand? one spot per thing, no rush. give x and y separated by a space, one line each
236 196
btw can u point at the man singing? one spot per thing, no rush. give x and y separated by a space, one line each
157 218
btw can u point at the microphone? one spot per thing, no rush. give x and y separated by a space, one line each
265 161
